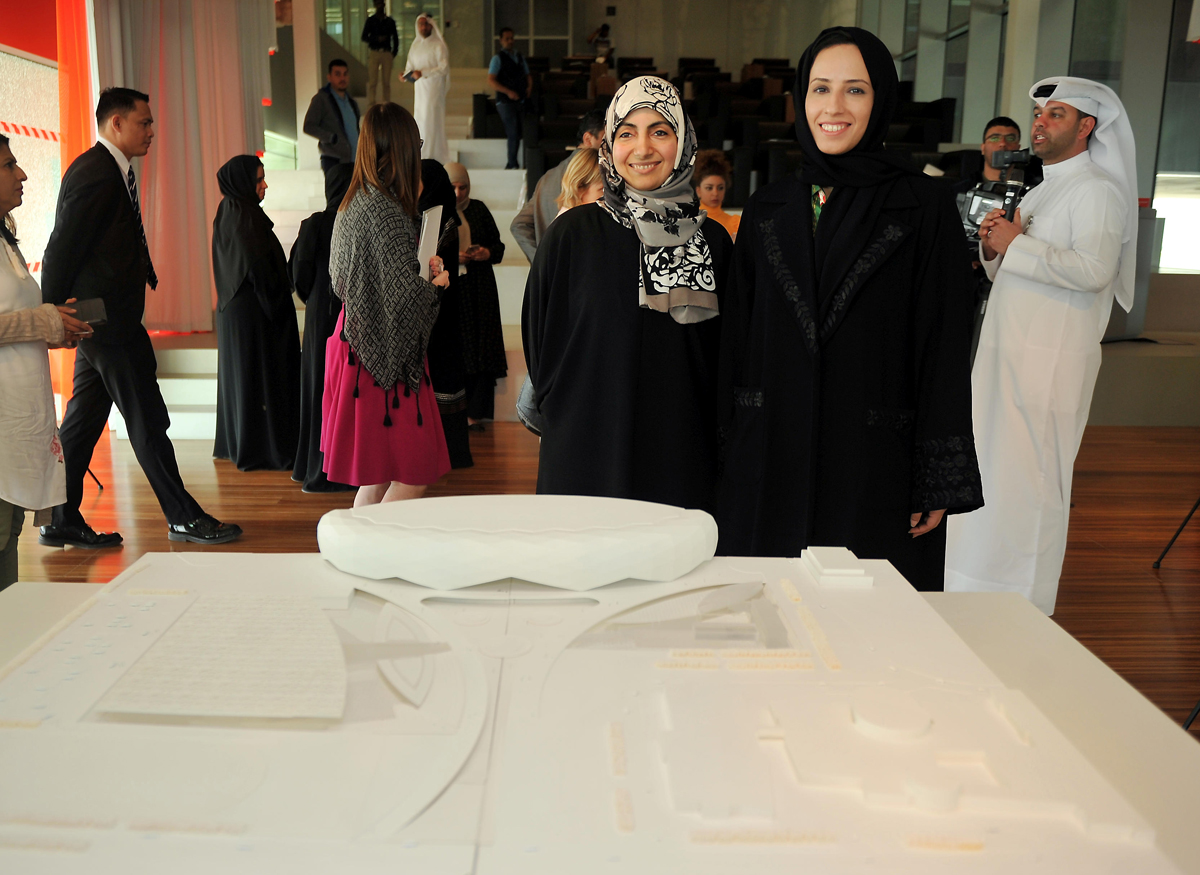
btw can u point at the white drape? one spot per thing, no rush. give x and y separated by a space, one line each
204 64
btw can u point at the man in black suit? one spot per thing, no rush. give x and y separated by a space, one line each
98 250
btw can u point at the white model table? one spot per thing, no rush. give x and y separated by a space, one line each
529 772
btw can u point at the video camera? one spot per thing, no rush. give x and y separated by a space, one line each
1005 194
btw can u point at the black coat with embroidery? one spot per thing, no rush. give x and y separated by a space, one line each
838 421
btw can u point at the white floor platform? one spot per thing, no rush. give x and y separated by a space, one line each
741 718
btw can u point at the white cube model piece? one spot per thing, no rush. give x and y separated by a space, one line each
572 542
836 568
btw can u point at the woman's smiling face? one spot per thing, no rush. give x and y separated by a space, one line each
644 149
839 99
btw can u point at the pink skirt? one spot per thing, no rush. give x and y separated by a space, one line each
359 448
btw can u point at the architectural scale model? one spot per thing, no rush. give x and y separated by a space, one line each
252 713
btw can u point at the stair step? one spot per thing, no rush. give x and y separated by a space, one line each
188 361
189 422
188 389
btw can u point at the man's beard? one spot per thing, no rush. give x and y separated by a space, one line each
1054 147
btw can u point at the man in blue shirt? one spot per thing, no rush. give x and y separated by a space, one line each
332 118
509 74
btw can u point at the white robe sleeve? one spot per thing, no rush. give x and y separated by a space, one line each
991 268
441 62
1090 265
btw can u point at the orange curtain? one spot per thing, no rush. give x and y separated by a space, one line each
75 108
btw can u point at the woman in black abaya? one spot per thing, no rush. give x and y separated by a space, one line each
845 393
258 341
309 265
446 367
619 321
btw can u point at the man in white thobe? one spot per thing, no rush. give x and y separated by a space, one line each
429 68
1055 272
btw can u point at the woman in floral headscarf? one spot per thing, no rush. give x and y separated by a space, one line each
619 323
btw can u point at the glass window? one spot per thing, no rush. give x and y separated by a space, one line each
550 18
959 14
908 69
1098 41
552 49
954 78
1177 184
912 24
1000 65
514 14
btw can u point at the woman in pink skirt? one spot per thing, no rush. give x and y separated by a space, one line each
381 430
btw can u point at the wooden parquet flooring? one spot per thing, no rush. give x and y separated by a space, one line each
1133 487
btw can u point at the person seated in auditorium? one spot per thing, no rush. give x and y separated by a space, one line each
31 464
479 247
529 225
712 178
258 341
600 42
619 320
583 181
380 428
309 266
845 393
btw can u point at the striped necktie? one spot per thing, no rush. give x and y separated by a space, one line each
151 276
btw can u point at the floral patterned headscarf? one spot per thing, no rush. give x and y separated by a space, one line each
677 275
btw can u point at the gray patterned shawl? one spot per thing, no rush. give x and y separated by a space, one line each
677 275
390 308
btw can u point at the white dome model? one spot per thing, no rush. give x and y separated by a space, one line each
567 541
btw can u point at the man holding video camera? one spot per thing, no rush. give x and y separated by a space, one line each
1056 268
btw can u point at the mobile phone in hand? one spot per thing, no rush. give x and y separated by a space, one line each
91 311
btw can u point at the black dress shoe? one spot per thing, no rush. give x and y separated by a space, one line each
78 536
205 530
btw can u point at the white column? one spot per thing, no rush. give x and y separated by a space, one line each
983 66
1020 60
1143 81
306 49
931 50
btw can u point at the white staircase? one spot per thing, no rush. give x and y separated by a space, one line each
187 377
187 365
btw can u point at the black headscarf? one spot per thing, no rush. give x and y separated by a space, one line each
437 189
243 243
863 177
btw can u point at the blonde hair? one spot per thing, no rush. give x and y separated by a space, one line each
583 171
388 156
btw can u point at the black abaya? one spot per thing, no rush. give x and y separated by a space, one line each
309 265
258 344
628 394
445 342
484 359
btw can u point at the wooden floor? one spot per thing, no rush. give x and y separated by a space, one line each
1133 486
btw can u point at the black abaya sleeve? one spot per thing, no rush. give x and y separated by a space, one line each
737 307
545 324
485 233
945 467
302 263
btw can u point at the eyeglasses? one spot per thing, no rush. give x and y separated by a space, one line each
1010 139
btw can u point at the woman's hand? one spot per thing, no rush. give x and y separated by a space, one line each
923 523
437 268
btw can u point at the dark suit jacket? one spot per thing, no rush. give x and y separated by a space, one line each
95 250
